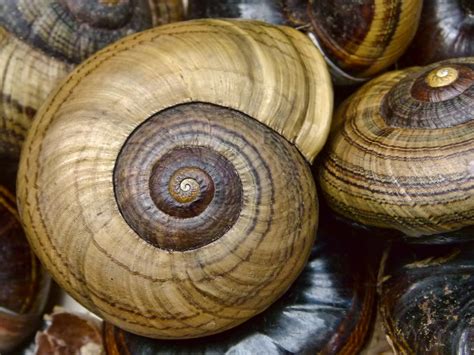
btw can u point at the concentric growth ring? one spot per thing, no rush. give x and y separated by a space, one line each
178 193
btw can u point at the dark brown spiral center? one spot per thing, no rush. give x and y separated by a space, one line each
109 14
438 97
173 186
179 183
442 83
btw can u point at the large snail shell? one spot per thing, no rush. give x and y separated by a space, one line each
427 299
41 41
401 154
446 31
24 286
156 187
327 310
358 38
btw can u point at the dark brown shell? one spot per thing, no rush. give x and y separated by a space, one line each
328 309
427 299
446 31
24 286
358 38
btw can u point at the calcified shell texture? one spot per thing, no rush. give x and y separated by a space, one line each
328 310
41 41
160 185
401 154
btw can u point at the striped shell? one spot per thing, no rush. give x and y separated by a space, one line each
164 184
401 153
41 41
358 38
328 310
24 286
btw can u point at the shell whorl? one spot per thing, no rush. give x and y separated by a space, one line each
215 92
441 97
401 153
42 41
358 38
73 30
361 38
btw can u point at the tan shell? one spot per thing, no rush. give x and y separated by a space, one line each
28 76
41 42
401 152
196 83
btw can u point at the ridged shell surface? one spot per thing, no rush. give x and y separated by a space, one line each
41 41
328 310
401 153
160 184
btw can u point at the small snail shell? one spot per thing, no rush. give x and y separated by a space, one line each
446 31
401 153
41 41
427 299
358 38
24 286
160 185
69 333
327 310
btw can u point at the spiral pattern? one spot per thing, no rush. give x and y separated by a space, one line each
399 158
172 198
184 193
440 96
42 41
73 30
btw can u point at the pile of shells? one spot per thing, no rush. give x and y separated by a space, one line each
190 184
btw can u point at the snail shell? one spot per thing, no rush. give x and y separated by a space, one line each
327 310
427 299
24 286
446 30
401 153
69 333
160 185
357 38
42 41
